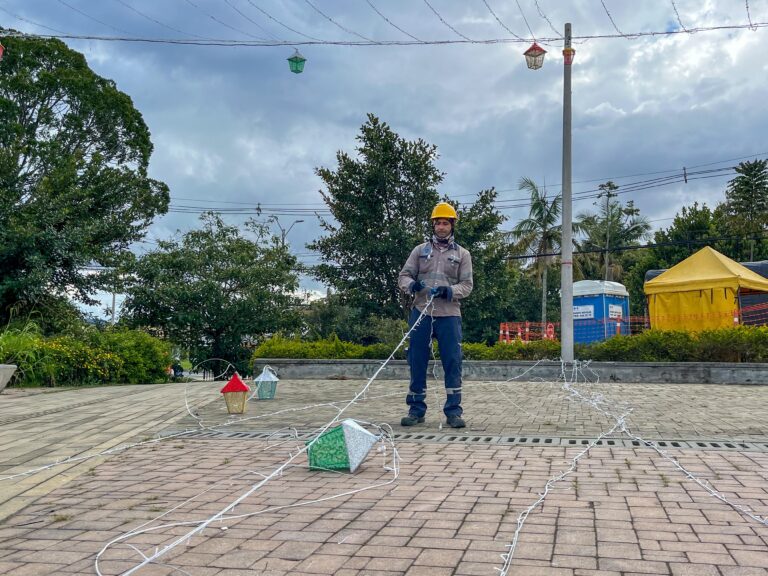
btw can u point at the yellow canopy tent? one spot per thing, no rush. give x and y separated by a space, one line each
701 292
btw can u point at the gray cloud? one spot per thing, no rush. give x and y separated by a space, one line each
234 125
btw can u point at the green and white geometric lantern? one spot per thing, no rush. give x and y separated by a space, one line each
266 384
341 448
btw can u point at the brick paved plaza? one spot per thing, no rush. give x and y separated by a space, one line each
453 509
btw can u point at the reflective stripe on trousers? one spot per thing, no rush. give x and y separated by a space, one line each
447 330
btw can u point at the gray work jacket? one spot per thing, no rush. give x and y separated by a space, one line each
438 266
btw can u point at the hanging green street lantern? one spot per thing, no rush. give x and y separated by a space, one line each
296 62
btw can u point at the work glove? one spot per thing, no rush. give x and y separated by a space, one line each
442 292
417 286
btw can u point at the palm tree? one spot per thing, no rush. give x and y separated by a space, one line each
614 225
539 234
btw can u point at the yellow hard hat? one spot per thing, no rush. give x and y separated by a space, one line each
444 210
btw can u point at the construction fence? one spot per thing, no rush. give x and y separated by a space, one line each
594 329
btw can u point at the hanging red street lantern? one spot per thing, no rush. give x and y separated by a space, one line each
534 56
568 54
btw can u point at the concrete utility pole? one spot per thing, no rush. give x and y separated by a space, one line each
566 269
607 190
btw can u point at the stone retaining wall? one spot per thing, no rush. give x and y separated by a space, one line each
640 372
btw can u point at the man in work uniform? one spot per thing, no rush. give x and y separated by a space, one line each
439 270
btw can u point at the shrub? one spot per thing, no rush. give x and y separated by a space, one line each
94 358
740 344
24 348
144 357
650 346
329 348
70 361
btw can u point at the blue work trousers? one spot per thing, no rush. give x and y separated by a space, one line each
447 330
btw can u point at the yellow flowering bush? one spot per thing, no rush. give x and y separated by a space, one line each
126 356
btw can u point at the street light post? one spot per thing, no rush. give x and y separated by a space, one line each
566 268
283 231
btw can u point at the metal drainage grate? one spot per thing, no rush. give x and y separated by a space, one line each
696 444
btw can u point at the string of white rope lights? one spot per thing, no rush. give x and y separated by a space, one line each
268 15
520 8
158 22
576 375
600 404
749 16
500 22
388 21
221 514
89 17
28 21
613 22
394 468
271 43
677 15
222 23
509 555
332 21
249 19
544 16
436 13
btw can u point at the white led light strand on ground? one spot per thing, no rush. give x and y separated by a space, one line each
600 404
276 472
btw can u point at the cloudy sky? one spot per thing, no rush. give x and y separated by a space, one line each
233 127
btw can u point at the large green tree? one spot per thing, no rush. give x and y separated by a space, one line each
215 290
539 235
746 211
497 283
380 201
74 189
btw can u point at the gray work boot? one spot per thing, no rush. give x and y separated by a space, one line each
456 422
411 420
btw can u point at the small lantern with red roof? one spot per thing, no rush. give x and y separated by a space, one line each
235 395
534 56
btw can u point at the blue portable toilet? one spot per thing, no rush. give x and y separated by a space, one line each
600 310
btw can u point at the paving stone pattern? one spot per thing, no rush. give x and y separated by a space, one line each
658 411
453 509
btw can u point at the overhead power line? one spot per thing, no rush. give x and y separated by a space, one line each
630 248
302 209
